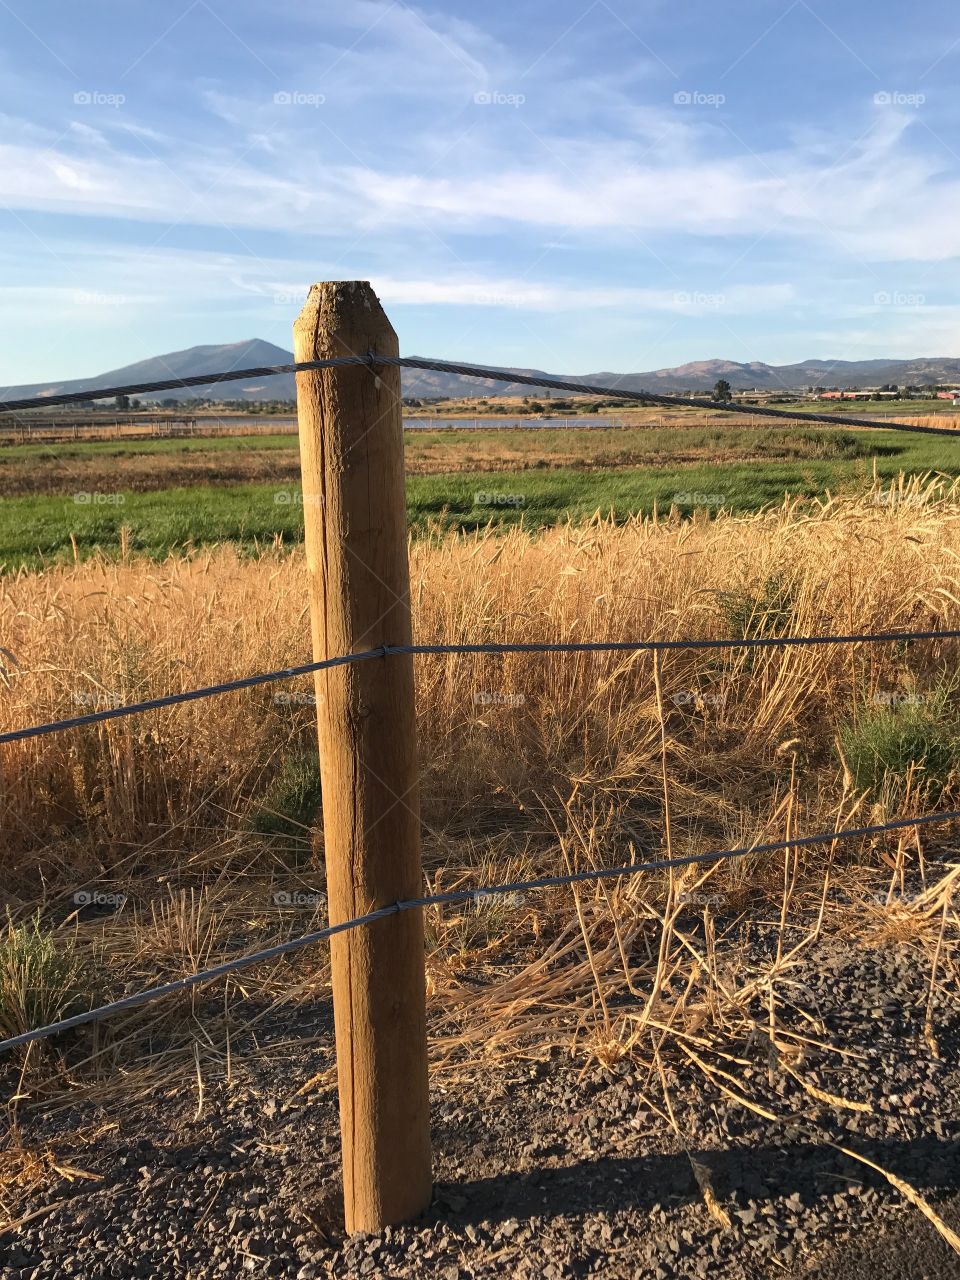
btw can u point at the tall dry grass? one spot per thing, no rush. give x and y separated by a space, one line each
530 765
493 730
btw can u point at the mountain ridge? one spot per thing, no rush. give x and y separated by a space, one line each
696 375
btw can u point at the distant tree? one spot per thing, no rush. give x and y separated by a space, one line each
721 390
535 406
122 402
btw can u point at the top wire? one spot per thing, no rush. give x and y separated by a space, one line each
467 371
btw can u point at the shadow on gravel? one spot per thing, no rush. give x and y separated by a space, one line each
805 1171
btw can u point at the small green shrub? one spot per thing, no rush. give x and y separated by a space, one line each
473 926
769 611
918 730
290 803
42 978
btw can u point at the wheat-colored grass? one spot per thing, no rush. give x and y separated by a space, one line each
530 765
176 784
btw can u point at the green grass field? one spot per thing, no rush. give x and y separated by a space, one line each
11 454
40 528
867 408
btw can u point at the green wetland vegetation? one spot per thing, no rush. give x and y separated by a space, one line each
60 501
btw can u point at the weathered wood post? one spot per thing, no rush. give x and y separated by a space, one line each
351 459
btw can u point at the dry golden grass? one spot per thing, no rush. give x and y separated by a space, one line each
531 765
180 781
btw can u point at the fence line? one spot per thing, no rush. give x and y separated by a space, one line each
457 897
466 371
359 510
493 647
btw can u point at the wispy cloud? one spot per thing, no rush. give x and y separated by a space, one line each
883 199
536 171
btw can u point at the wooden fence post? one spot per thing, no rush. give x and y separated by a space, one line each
351 459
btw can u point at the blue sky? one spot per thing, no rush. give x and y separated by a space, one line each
575 186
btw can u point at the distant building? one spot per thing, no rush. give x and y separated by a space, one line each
853 395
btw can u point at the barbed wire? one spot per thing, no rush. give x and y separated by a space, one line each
456 897
493 647
509 376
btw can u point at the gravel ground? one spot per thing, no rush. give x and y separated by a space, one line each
539 1171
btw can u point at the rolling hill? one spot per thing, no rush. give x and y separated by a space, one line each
697 376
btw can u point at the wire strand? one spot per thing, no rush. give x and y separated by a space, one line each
509 376
190 695
389 650
452 898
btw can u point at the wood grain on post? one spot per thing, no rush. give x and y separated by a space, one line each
351 456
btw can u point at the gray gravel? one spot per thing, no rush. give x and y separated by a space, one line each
540 1172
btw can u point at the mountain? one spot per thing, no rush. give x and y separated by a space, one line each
700 375
185 364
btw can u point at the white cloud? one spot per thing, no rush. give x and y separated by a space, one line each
178 275
552 297
879 200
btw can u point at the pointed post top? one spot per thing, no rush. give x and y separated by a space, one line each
343 318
